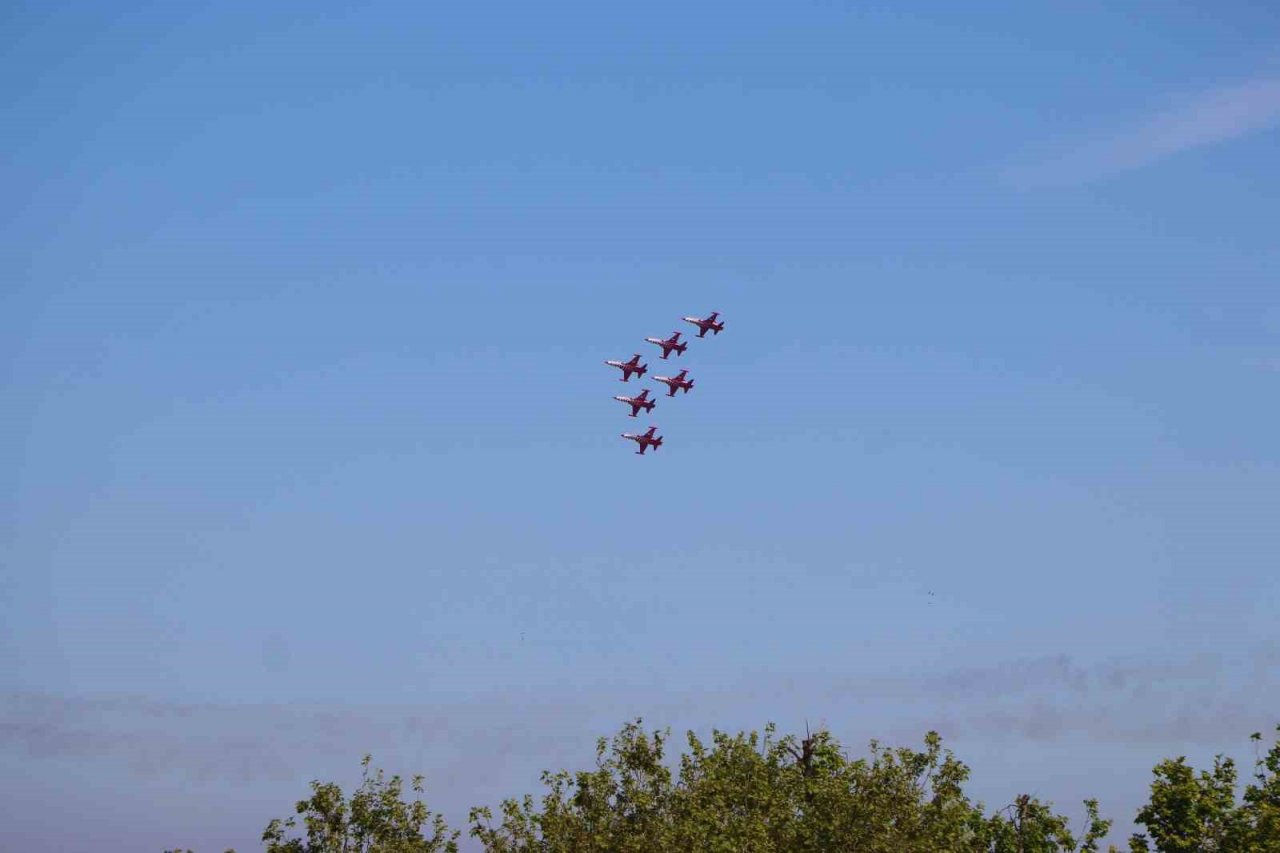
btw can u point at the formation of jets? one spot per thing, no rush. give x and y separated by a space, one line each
679 382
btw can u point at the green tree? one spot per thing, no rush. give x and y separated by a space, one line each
1190 812
375 820
1262 798
622 805
753 793
757 793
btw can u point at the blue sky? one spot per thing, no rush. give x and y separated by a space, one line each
302 316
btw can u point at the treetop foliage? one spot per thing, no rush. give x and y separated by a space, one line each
756 792
374 820
1191 812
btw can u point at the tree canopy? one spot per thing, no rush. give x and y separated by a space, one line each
756 792
1190 812
374 820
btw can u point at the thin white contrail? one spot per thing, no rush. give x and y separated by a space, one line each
1206 118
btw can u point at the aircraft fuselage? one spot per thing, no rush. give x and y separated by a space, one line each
671 343
629 367
645 440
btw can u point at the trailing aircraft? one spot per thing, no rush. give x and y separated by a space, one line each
645 440
675 383
640 401
629 367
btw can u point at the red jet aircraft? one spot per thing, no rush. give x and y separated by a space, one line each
675 383
639 402
707 325
645 440
671 343
629 367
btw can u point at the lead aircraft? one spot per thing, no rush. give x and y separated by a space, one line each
708 324
645 440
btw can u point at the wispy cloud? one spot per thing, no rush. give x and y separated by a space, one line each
1208 699
1265 362
1206 118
